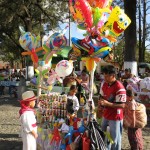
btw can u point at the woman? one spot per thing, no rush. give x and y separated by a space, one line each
134 134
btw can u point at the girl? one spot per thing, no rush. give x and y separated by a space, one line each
28 121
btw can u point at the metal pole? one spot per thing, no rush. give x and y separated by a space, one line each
27 65
140 50
69 25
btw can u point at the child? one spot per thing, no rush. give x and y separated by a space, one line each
28 121
72 101
134 134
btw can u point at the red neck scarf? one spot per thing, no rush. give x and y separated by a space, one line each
25 107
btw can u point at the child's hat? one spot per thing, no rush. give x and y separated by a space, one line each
28 96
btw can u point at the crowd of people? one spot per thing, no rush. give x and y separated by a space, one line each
7 74
114 96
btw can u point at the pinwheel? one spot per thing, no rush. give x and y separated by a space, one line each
56 137
70 134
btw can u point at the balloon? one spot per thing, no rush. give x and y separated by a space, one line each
30 42
75 53
64 68
81 12
100 3
117 22
98 15
90 63
33 81
101 53
87 48
56 44
53 77
21 28
76 14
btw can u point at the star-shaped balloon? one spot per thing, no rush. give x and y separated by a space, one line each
56 136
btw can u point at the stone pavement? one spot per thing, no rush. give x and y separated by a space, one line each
9 125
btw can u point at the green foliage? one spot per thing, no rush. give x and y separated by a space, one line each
118 52
31 14
147 56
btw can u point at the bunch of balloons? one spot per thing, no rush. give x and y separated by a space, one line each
102 23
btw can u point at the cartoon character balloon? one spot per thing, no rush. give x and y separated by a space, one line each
117 22
64 68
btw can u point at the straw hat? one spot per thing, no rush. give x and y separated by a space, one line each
28 96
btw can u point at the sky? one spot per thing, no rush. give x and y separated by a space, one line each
75 32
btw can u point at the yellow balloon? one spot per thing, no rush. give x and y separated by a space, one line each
117 22
90 63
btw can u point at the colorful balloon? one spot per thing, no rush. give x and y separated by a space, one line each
53 77
117 22
56 44
100 3
90 62
64 68
30 42
81 12
89 48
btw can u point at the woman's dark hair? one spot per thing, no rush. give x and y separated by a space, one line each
109 69
129 93
73 87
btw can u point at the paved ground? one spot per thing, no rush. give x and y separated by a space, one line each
9 126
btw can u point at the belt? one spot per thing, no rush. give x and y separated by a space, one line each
34 125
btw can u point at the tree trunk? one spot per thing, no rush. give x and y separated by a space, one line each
140 32
130 37
28 24
144 30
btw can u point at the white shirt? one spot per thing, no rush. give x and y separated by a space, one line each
75 102
27 120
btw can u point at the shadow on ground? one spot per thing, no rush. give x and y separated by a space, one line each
10 145
9 101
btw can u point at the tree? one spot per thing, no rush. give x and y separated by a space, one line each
118 52
147 56
31 14
130 36
144 27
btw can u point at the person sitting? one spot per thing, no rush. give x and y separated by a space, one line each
127 74
71 79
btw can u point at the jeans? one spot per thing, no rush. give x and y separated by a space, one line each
115 132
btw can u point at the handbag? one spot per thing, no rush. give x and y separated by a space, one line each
140 116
